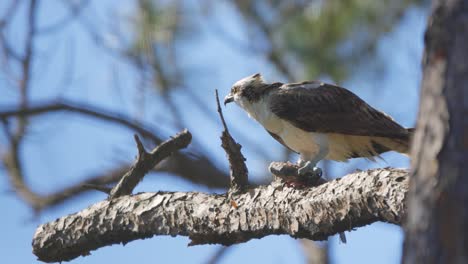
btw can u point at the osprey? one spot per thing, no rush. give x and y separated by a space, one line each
319 121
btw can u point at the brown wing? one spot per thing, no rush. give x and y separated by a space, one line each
326 108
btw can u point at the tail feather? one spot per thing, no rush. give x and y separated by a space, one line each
401 145
410 138
344 147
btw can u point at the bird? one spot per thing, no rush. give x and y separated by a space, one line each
319 121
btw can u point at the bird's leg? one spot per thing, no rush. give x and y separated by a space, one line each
306 179
309 171
308 174
308 166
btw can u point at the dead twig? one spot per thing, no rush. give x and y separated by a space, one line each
238 169
218 255
96 187
146 161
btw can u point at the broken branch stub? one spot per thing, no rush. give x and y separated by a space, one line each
146 161
238 169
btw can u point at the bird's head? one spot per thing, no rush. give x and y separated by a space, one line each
248 89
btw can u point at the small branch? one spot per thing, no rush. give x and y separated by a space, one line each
10 11
220 112
12 160
29 53
275 52
238 169
211 116
218 255
199 171
96 187
92 111
75 10
196 168
6 129
146 161
355 200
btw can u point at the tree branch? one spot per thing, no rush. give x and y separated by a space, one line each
92 111
74 11
195 168
239 171
146 161
355 200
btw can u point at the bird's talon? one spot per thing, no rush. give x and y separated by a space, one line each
309 168
310 173
317 171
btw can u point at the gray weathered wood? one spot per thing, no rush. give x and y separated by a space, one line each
315 213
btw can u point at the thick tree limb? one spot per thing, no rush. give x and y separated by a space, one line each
289 173
146 161
355 200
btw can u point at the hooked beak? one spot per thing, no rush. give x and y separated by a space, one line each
228 99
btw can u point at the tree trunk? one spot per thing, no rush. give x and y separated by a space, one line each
436 227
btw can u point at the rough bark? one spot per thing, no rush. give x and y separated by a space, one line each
315 213
437 225
238 169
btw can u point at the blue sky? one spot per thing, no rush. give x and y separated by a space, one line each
62 148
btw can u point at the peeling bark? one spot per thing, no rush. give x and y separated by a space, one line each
437 225
355 200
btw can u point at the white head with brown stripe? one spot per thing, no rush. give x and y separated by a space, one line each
249 89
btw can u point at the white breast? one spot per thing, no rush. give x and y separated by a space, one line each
306 143
296 139
262 113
